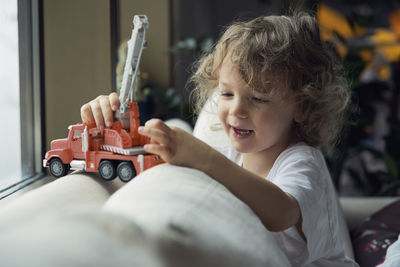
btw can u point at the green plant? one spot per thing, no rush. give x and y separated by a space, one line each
191 45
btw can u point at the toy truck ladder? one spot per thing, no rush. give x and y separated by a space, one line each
135 47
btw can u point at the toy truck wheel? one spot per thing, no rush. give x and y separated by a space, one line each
126 171
57 168
107 170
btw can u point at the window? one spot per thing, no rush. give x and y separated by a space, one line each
20 109
77 133
10 160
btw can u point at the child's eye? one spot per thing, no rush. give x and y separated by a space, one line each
259 100
226 94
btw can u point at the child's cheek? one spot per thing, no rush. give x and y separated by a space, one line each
221 110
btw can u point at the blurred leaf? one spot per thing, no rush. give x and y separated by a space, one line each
389 189
357 181
375 152
384 177
206 43
392 166
192 45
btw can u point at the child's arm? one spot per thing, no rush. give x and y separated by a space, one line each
276 209
100 110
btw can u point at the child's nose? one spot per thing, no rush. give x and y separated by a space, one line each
239 108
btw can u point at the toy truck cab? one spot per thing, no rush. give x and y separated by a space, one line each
63 151
75 140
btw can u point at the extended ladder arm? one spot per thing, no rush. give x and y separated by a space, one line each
135 47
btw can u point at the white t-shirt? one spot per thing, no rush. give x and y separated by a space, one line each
392 255
300 170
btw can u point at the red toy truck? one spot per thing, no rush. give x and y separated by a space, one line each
111 152
119 149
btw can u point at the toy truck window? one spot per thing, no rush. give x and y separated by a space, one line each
77 133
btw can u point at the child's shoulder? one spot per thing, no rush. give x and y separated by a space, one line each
301 154
301 150
301 160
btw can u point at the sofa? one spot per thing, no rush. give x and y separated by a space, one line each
166 216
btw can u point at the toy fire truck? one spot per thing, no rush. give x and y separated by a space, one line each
112 151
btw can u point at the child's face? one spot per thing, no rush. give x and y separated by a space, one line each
255 122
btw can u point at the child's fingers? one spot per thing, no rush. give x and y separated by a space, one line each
114 101
106 110
159 131
160 150
86 114
156 135
158 124
97 113
100 110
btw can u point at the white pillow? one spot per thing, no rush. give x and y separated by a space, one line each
78 237
194 220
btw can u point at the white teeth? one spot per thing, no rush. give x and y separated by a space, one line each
243 131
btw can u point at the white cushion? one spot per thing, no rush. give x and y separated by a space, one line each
78 237
194 220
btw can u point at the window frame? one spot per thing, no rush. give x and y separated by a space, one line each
31 85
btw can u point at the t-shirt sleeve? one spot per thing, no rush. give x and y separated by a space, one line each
304 178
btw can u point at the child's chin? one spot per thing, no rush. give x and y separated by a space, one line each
240 148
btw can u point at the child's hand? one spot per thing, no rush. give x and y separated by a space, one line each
100 110
173 145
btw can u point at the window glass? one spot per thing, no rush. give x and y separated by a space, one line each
10 156
77 133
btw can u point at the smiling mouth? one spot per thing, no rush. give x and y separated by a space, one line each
242 132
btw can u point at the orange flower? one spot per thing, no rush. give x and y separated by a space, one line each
384 73
341 49
331 21
394 19
387 43
366 55
358 30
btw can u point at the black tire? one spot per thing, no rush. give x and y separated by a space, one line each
107 170
126 171
57 168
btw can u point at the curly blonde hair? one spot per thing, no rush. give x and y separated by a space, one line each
289 48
